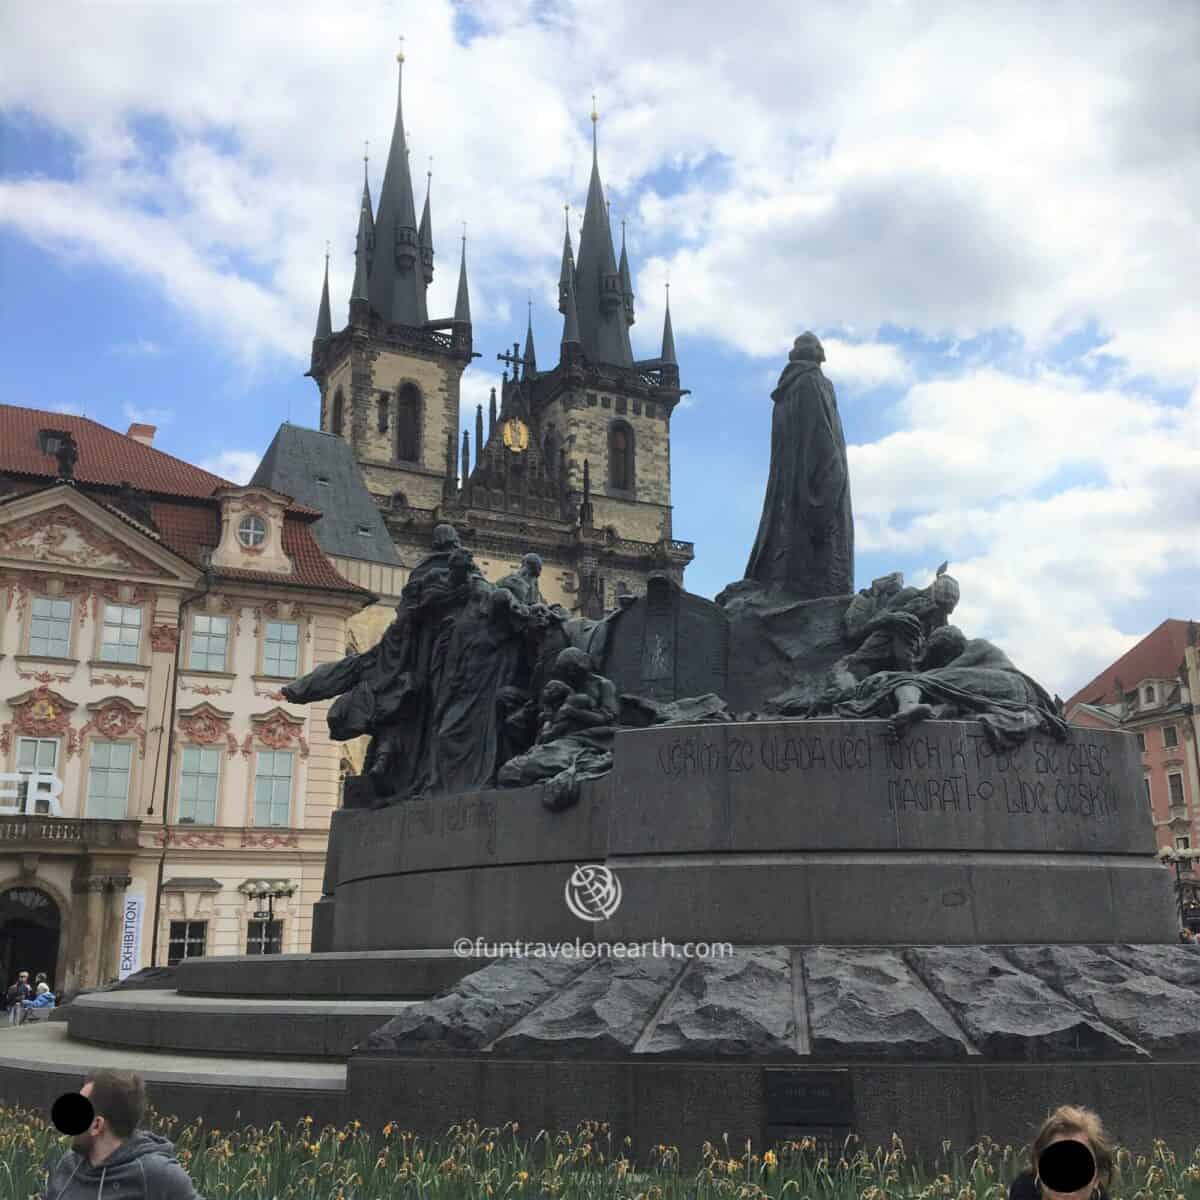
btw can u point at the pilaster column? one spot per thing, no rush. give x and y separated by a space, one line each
87 922
113 898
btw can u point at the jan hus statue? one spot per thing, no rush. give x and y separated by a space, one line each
805 540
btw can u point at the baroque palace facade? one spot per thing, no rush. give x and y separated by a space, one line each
573 461
155 775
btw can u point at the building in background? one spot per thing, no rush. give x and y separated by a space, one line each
151 612
1151 692
575 463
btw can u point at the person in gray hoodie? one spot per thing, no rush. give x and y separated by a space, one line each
114 1160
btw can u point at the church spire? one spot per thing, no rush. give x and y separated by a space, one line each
397 287
324 320
364 242
626 281
570 335
462 306
530 359
425 233
668 342
599 294
566 276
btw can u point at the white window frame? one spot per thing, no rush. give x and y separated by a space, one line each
205 755
1149 793
122 650
1148 694
203 633
252 531
1171 801
276 782
39 767
1174 731
258 939
1183 842
1141 741
54 619
188 940
276 668
106 771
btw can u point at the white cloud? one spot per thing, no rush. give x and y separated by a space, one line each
146 416
236 465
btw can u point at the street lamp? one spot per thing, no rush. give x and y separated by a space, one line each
269 890
1183 860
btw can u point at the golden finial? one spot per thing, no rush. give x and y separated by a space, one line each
400 52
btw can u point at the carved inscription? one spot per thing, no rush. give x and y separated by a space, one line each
920 774
442 818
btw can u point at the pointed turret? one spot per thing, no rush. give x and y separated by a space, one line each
462 306
668 342
626 281
479 442
530 359
466 457
566 276
492 414
364 243
397 286
324 320
570 335
425 233
599 296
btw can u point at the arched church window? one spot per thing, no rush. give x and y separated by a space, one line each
620 456
408 424
382 406
337 417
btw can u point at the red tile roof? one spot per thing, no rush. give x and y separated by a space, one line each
180 496
1157 656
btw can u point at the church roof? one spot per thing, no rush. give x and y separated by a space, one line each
296 462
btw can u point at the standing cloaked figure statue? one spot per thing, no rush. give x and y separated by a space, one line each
805 539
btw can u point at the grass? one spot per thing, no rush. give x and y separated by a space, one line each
306 1163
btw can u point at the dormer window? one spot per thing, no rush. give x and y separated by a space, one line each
1148 694
364 531
252 532
322 481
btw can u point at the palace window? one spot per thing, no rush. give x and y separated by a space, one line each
337 417
1141 741
186 940
1148 694
35 755
1149 796
122 632
199 784
281 650
264 937
1175 789
408 424
620 456
273 787
382 406
210 637
1170 737
50 628
108 781
1183 842
252 532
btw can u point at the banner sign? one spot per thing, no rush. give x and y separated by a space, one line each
131 934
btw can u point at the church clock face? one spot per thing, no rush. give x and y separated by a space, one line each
516 434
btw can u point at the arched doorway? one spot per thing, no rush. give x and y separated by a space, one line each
30 924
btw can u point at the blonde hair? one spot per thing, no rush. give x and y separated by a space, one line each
1070 1118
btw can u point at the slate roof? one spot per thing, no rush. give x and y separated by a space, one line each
177 497
294 461
1157 656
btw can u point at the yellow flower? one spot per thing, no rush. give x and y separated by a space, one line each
769 1159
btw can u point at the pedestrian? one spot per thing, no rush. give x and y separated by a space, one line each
1187 937
43 999
134 1163
16 997
1068 1123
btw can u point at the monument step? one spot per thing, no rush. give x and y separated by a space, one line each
347 975
169 1022
40 1062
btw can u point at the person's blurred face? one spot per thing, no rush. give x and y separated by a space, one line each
82 1143
1080 1193
24 977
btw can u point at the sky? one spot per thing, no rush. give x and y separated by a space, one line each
987 212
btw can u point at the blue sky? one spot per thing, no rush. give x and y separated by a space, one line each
987 213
